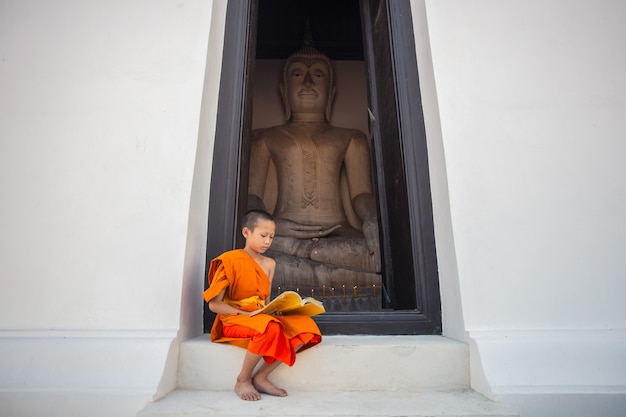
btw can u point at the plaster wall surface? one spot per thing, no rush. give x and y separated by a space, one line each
100 111
531 97
106 123
98 141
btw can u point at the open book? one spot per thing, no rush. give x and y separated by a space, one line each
290 302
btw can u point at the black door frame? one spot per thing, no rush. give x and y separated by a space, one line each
400 158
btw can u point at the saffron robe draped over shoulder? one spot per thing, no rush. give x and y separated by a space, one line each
247 287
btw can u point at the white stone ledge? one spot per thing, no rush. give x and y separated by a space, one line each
560 361
339 362
72 404
560 389
87 333
375 403
60 361
78 391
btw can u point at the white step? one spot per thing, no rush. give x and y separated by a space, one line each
453 403
366 376
409 363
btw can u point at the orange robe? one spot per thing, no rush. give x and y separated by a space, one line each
247 288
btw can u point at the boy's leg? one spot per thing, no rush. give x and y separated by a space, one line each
263 384
244 386
272 342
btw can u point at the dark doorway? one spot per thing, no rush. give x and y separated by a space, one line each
335 28
380 33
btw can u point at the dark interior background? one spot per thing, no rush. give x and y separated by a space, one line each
335 28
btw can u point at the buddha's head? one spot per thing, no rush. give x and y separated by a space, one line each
308 83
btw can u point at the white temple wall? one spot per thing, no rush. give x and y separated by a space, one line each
100 106
107 117
531 98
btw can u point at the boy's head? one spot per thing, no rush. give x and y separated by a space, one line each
258 227
252 218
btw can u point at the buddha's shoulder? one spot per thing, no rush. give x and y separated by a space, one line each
268 132
350 133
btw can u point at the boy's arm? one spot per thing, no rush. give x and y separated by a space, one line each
217 305
271 268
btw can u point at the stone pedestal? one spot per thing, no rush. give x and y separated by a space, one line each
340 289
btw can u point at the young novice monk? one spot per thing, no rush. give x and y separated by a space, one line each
240 282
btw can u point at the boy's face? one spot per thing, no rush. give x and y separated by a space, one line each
260 239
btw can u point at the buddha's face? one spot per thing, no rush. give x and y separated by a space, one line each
308 87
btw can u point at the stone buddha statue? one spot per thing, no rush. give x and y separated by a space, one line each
315 243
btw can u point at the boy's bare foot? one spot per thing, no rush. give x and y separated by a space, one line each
266 386
246 391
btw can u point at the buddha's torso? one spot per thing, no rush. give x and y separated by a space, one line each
308 161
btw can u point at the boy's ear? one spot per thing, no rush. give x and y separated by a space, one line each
245 231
